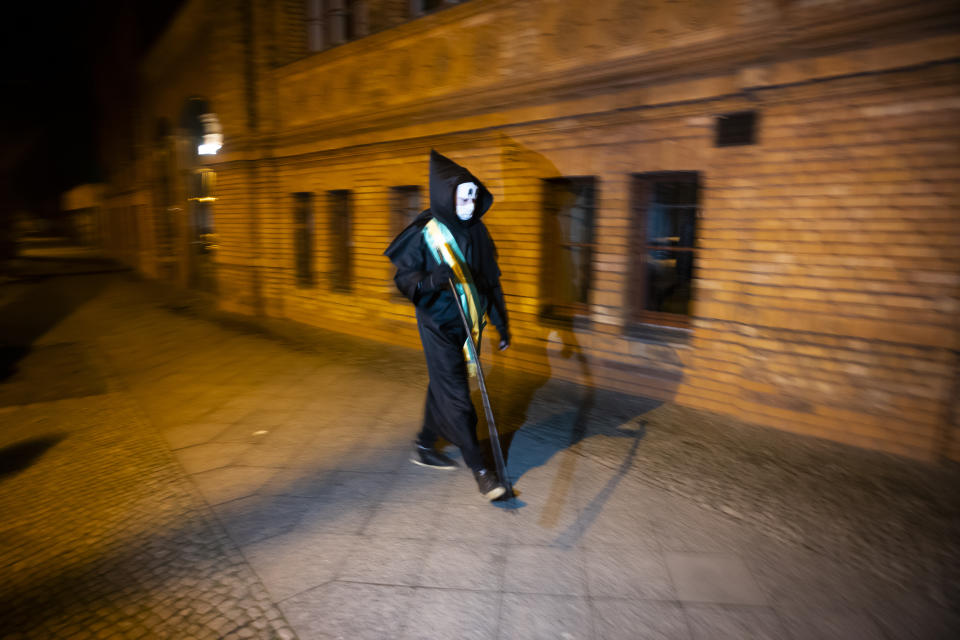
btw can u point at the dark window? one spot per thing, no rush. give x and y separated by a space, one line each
203 185
205 240
316 37
420 7
341 243
350 30
165 228
568 245
354 19
331 23
735 129
202 196
303 237
665 209
404 207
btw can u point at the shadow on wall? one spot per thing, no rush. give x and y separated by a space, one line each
555 409
541 415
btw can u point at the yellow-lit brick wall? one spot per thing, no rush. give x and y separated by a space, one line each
830 270
827 274
827 284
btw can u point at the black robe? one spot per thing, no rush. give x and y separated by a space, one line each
449 411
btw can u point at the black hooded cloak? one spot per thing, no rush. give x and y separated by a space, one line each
449 411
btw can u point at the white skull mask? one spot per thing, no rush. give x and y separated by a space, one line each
466 197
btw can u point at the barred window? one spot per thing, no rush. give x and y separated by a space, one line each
665 207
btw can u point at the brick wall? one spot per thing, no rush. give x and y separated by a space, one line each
828 279
829 276
827 286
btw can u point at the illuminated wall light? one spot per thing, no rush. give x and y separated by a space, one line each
208 148
212 135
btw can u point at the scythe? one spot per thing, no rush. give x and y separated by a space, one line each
488 410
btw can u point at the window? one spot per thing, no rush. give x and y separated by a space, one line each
420 7
404 207
568 245
202 187
303 237
340 240
315 35
665 217
163 196
333 22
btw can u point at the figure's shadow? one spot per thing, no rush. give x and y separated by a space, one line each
36 310
17 457
551 403
537 415
534 423
551 411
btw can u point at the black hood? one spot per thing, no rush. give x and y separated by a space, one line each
445 175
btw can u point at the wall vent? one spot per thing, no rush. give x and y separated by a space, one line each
736 129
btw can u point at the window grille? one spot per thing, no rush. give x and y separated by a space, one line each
665 211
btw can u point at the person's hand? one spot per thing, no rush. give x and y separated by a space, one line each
437 279
504 340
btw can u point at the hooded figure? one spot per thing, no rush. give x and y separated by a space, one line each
448 242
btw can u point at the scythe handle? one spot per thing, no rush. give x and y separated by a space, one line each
487 409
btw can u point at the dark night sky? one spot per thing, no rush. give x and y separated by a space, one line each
50 111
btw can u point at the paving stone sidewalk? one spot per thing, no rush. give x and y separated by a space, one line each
165 475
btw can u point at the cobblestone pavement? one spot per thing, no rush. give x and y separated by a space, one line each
102 534
170 473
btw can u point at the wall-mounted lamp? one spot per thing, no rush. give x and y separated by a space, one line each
212 135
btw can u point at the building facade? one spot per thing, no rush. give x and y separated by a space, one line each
83 206
745 206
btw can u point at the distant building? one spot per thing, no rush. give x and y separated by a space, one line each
82 207
745 206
